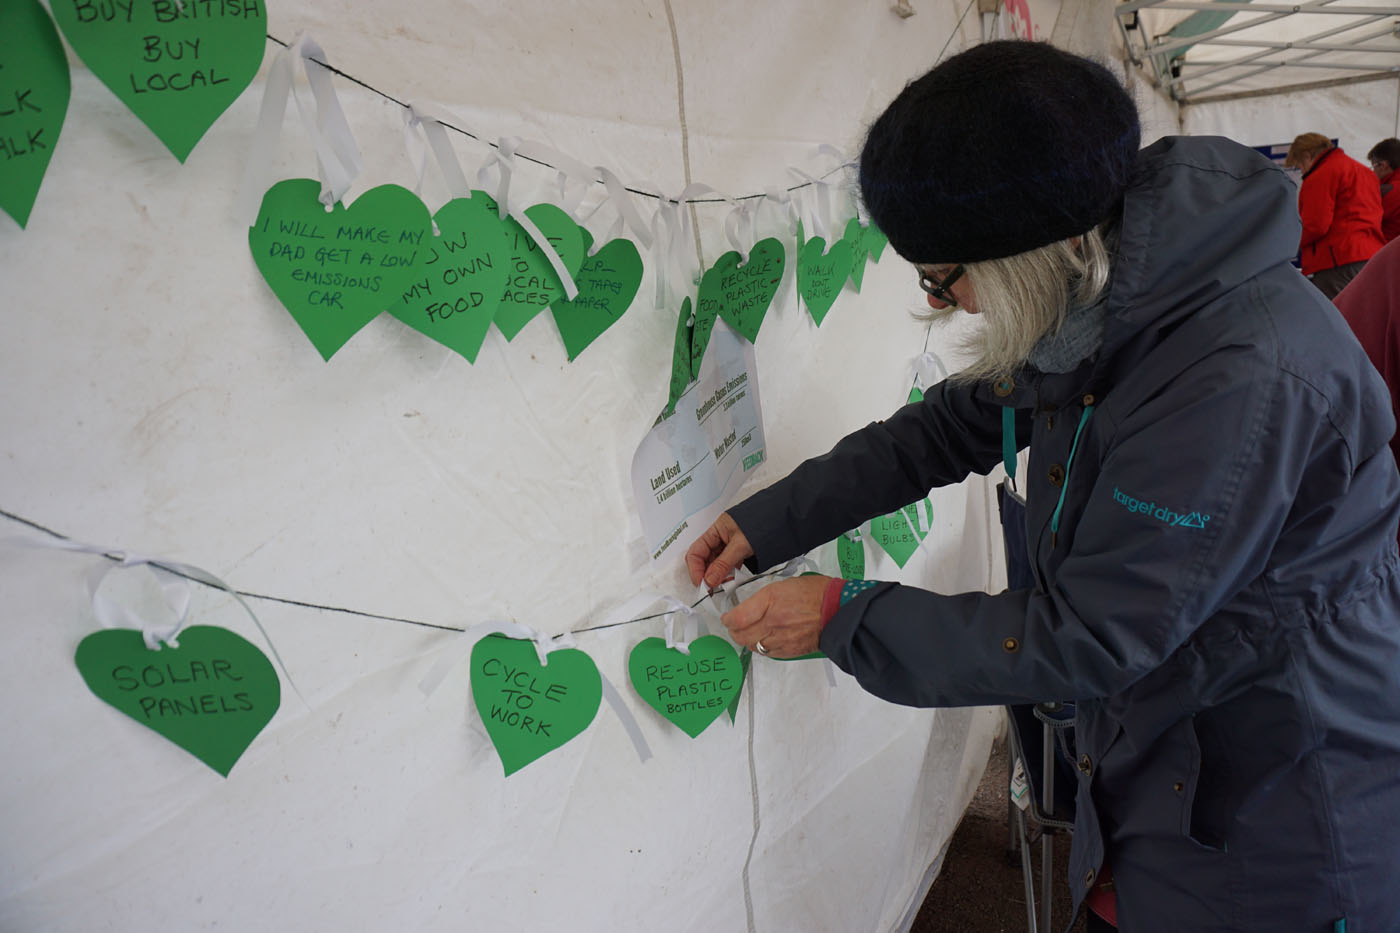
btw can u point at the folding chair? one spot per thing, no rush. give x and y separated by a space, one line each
1041 738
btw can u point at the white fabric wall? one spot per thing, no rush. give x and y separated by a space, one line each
1357 115
159 399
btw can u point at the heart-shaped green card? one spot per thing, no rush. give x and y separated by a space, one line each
689 690
531 709
900 533
456 287
821 273
211 696
867 243
531 283
35 87
335 271
850 556
741 294
682 374
607 282
700 330
176 65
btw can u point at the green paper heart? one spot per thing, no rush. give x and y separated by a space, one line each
607 282
456 286
211 696
850 555
689 690
867 243
177 66
682 374
335 271
34 91
821 273
700 330
900 533
532 285
741 294
531 709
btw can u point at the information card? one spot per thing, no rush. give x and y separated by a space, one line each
690 465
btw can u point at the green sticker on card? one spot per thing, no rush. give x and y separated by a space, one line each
34 91
211 693
739 294
335 271
177 64
529 708
457 284
607 283
690 690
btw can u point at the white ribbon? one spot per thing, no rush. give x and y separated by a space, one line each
621 199
926 370
174 579
416 148
502 157
568 168
337 156
432 120
781 199
820 190
690 625
740 228
674 239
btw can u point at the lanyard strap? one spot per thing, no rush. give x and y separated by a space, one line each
1008 442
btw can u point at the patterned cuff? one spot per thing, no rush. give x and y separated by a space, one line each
839 592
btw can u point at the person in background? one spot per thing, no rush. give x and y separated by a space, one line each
1371 305
1340 204
1211 502
1385 160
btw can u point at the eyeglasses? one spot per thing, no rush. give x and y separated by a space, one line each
939 289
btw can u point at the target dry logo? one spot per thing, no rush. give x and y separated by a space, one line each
1161 513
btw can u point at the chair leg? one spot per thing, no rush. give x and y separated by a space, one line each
1047 871
1026 875
1011 808
1047 845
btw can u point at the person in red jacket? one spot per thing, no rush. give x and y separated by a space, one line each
1371 305
1385 160
1340 205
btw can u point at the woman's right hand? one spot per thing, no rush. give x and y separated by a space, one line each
717 553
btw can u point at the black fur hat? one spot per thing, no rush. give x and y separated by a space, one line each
1001 149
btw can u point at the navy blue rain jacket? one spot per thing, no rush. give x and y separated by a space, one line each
1220 590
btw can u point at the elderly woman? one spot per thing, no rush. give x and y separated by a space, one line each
1212 503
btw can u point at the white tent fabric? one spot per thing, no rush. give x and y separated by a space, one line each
159 399
1358 116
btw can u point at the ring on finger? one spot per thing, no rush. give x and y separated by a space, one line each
758 646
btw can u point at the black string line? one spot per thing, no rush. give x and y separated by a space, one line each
246 594
470 135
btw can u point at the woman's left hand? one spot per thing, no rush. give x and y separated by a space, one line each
784 617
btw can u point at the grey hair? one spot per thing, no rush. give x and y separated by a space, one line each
1022 298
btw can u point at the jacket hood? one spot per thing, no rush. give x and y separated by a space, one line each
1202 215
